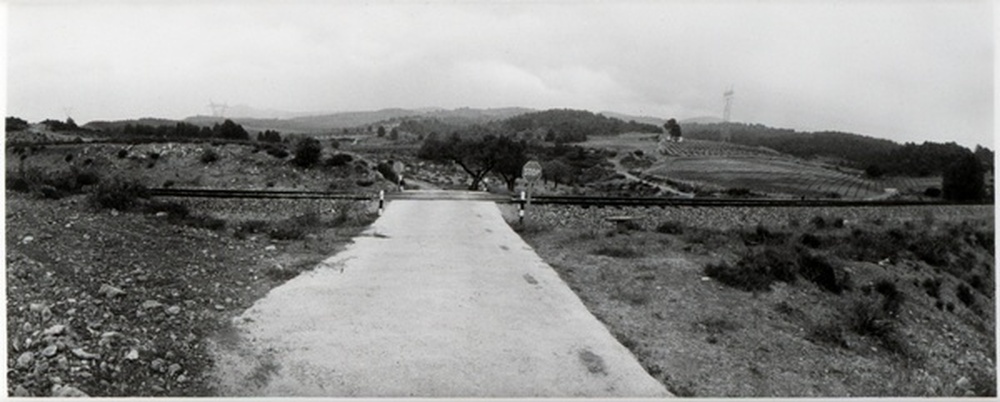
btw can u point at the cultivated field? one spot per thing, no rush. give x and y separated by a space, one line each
788 301
711 166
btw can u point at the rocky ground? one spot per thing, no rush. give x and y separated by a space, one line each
108 303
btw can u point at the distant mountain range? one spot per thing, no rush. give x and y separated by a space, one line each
340 120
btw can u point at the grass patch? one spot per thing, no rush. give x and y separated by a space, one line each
757 271
119 194
618 252
670 227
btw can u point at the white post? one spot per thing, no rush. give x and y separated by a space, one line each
381 201
520 211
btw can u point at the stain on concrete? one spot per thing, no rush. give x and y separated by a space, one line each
530 279
504 248
593 362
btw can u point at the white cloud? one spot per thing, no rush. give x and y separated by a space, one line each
909 71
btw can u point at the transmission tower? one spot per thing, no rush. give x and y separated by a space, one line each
728 95
218 109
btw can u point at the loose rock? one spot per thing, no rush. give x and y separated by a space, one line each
148 304
50 351
174 368
25 359
54 330
110 291
173 310
132 355
20 392
83 354
66 391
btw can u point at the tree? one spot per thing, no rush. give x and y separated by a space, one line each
16 124
232 131
511 156
307 152
874 171
381 131
478 155
394 134
963 180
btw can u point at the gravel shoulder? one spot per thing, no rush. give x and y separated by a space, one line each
436 299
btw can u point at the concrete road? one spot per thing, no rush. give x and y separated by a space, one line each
436 299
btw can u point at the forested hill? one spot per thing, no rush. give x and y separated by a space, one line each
555 125
863 152
566 125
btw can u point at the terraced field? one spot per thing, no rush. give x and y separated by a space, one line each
718 166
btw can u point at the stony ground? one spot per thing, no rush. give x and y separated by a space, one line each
701 337
106 303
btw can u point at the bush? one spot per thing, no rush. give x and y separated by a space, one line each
208 156
618 252
122 153
205 222
671 227
817 269
932 287
307 152
277 152
933 192
118 194
810 240
892 298
173 209
818 222
339 160
757 271
964 295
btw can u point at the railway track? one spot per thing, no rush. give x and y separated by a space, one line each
260 194
584 201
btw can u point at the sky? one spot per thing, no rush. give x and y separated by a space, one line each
910 71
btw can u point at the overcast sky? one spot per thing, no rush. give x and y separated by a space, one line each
904 70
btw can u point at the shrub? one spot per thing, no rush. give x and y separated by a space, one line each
618 252
818 222
829 333
69 157
339 160
118 194
307 152
757 271
810 240
871 320
964 295
122 153
932 287
205 222
208 156
817 269
154 155
671 227
173 209
763 235
892 298
933 192
277 152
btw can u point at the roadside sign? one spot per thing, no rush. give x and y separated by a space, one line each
532 171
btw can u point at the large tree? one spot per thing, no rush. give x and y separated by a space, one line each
478 155
963 179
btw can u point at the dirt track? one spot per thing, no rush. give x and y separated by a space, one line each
437 299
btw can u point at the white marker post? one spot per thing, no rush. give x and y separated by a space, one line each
531 172
381 201
398 167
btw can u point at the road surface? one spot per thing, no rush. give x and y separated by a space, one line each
436 299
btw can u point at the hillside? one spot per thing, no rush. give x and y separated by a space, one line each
337 121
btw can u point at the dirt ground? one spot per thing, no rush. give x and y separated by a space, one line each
703 338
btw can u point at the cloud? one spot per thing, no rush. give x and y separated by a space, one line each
908 71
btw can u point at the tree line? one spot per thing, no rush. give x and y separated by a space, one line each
875 155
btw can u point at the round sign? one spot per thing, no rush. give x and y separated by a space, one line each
532 171
397 167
